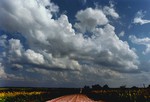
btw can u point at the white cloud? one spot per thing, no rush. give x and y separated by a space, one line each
60 62
90 18
121 34
139 18
15 47
116 51
140 21
54 46
2 72
141 41
3 40
17 66
111 11
34 57
50 5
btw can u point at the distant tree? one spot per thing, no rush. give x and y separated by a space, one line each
148 86
105 87
134 87
96 87
123 87
86 87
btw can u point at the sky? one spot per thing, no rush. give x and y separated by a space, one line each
72 43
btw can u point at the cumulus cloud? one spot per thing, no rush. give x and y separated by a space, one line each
139 18
15 47
34 57
141 41
54 46
113 48
111 11
90 18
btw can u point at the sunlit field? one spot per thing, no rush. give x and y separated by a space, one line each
45 94
22 95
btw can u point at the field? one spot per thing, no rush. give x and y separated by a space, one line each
20 95
121 95
33 94
44 94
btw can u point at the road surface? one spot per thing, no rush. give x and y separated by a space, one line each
73 98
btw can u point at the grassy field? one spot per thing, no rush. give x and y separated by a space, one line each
44 94
121 95
32 94
21 95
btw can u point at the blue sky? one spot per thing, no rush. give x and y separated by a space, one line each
72 43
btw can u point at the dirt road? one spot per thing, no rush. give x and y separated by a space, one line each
73 98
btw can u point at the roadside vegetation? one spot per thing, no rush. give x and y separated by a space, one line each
96 92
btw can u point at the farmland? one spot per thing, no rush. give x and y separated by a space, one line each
121 95
44 94
32 94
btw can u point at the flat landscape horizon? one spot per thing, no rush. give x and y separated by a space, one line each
95 93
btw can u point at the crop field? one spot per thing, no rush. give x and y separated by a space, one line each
32 94
121 95
45 94
23 95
